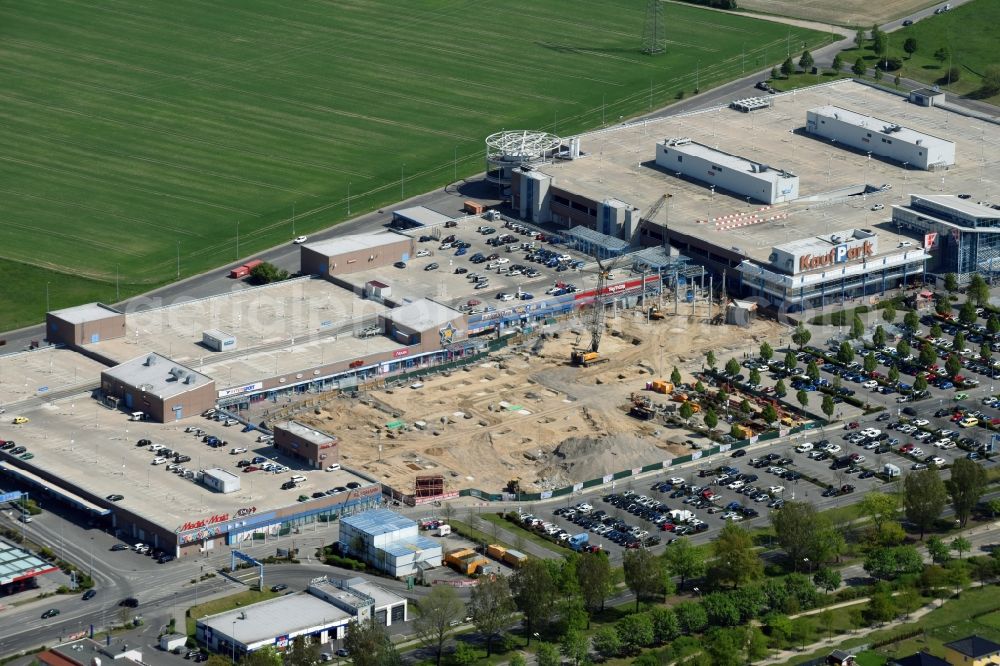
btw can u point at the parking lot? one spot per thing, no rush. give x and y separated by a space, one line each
477 266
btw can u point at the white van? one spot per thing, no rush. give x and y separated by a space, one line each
137 416
805 447
298 478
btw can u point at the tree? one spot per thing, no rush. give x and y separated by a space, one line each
686 411
267 273
735 559
893 375
859 67
993 325
766 352
266 656
775 73
790 361
928 355
710 359
665 625
798 529
300 654
910 46
801 336
806 61
857 327
812 371
606 642
879 337
924 498
978 291
684 561
723 647
950 280
802 628
859 37
644 573
838 63
721 609
780 389
880 41
369 644
547 655
827 578
880 508
435 614
846 352
966 485
534 593
920 383
953 75
957 575
960 545
732 367
985 352
958 342
491 608
736 432
769 414
881 608
942 306
803 397
967 313
911 320
711 419
953 365
675 376
691 617
755 377
699 388
938 550
935 330
465 655
517 660
869 362
593 575
575 646
635 632
788 67
745 406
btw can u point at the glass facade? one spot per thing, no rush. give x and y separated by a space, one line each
966 242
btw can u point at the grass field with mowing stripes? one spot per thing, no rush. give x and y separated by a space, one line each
132 129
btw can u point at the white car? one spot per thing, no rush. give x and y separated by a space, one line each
237 450
948 446
676 480
775 490
871 432
503 260
938 461
333 468
917 452
584 507
736 485
833 448
503 296
878 207
159 461
423 253
870 384
299 240
920 423
804 447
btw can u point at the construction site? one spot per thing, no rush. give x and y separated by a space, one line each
529 415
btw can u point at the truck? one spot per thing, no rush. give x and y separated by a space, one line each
442 530
890 470
514 558
681 515
584 358
578 541
496 551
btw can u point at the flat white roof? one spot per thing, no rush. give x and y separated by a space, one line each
961 205
317 437
874 124
422 215
157 375
221 474
275 617
344 244
828 239
422 314
87 312
734 162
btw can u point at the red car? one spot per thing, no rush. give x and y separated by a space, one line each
906 448
251 468
853 425
668 527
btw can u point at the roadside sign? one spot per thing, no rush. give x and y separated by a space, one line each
11 497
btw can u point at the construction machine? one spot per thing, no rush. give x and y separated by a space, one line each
595 320
654 313
584 358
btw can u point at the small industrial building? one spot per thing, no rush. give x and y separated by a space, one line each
320 615
159 387
425 323
350 254
220 480
963 236
880 137
833 267
88 652
389 542
972 651
19 568
724 172
317 448
84 325
418 216
218 340
927 96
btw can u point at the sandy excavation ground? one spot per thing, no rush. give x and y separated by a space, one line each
527 414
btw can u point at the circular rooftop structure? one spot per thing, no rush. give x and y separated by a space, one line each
510 149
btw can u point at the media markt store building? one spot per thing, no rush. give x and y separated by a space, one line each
224 529
831 269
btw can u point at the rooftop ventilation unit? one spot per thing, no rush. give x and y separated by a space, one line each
150 361
189 379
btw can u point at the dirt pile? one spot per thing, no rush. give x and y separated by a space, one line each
581 458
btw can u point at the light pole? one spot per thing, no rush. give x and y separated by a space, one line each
178 260
402 182
237 239
455 177
47 297
293 220
348 197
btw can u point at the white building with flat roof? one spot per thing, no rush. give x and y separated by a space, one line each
722 171
880 137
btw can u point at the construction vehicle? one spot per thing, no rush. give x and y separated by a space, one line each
642 412
654 313
595 323
584 358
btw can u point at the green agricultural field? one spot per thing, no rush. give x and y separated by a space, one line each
968 33
134 131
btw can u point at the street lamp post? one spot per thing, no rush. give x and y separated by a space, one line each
178 260
402 181
237 239
47 297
